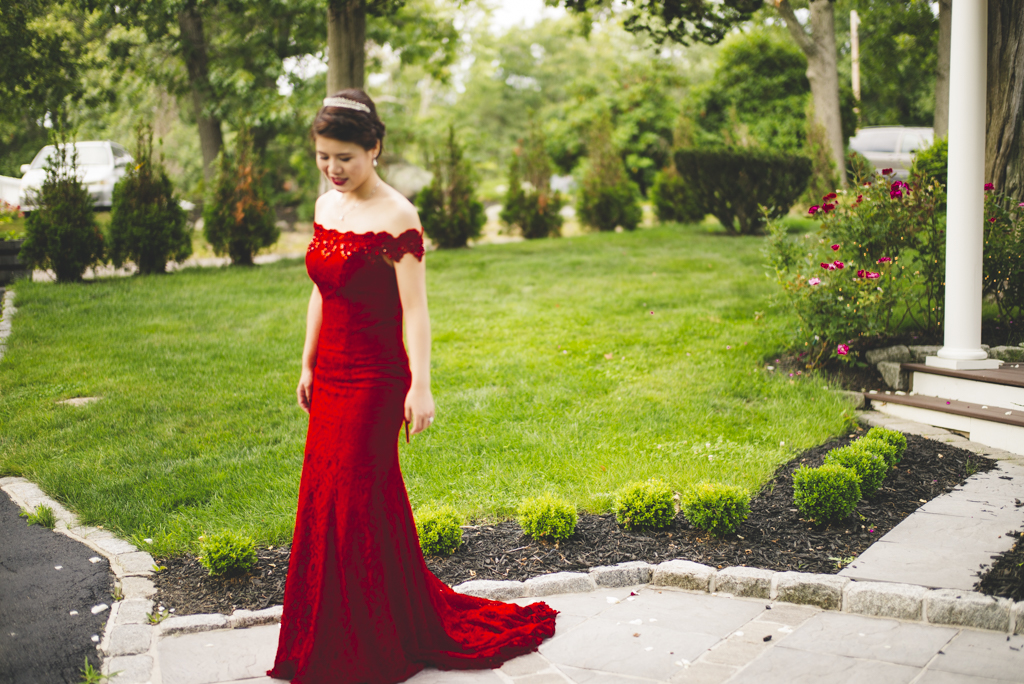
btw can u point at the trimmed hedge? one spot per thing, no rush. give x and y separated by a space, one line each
674 199
227 554
439 531
649 504
547 517
733 182
826 494
893 437
870 467
716 508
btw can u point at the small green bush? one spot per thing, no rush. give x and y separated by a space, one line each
449 210
826 494
43 516
894 437
674 199
439 531
871 468
238 220
61 231
146 223
931 163
607 197
547 517
530 205
645 505
890 452
227 553
716 508
733 182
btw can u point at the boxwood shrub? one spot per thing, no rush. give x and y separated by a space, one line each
870 467
826 494
649 505
547 517
894 437
439 531
890 452
227 553
716 508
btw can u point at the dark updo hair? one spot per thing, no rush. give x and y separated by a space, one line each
350 125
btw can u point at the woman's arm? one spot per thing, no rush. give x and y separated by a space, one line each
412 288
314 317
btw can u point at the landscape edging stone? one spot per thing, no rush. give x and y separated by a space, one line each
968 609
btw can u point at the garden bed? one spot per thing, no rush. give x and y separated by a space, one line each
1006 576
774 537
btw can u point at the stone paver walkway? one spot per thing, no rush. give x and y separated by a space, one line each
663 635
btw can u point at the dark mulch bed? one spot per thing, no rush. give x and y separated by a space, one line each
1006 576
774 537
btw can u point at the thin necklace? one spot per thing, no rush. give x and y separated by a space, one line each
361 202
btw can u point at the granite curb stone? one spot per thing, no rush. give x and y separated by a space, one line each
967 609
187 624
241 619
134 612
1017 617
133 669
823 591
882 599
746 582
135 563
495 590
559 583
623 574
137 587
129 640
684 574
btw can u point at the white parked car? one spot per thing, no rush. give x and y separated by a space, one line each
100 165
892 147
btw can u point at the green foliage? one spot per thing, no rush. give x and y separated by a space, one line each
531 206
674 199
891 453
886 270
237 220
547 517
9 212
826 494
716 508
439 531
226 554
870 467
893 437
42 516
91 675
449 210
735 182
1003 263
674 21
61 232
931 163
147 225
607 198
641 505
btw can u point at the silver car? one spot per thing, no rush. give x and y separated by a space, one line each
892 147
100 165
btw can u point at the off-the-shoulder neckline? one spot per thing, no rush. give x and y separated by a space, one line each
370 232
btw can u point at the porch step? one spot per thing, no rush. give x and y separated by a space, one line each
995 426
1002 387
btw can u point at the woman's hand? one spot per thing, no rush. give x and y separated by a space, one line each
305 390
419 409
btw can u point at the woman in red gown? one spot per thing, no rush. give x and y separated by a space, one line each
360 605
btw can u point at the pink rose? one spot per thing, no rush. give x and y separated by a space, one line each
814 281
835 248
839 264
842 350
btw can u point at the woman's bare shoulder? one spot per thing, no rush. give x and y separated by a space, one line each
398 214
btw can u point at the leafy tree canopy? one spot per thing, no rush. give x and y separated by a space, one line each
676 21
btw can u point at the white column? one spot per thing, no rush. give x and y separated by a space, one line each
966 178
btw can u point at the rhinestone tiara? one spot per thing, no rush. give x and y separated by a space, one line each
346 103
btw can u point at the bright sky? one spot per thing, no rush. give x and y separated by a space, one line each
509 13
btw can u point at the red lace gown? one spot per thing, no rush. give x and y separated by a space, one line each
360 605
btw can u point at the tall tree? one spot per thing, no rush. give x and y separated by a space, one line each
941 121
193 50
676 21
820 48
1004 146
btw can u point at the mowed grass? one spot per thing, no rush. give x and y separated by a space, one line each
572 366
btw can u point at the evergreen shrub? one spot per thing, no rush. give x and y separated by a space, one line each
889 452
640 505
146 223
237 219
607 197
530 205
733 182
450 213
547 517
227 554
674 199
61 232
870 467
439 531
826 494
716 508
893 437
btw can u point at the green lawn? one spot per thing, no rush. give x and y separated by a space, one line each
198 429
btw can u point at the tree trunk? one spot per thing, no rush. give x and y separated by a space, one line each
820 49
346 44
941 123
1004 147
193 48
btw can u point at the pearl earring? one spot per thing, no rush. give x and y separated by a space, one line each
375 161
